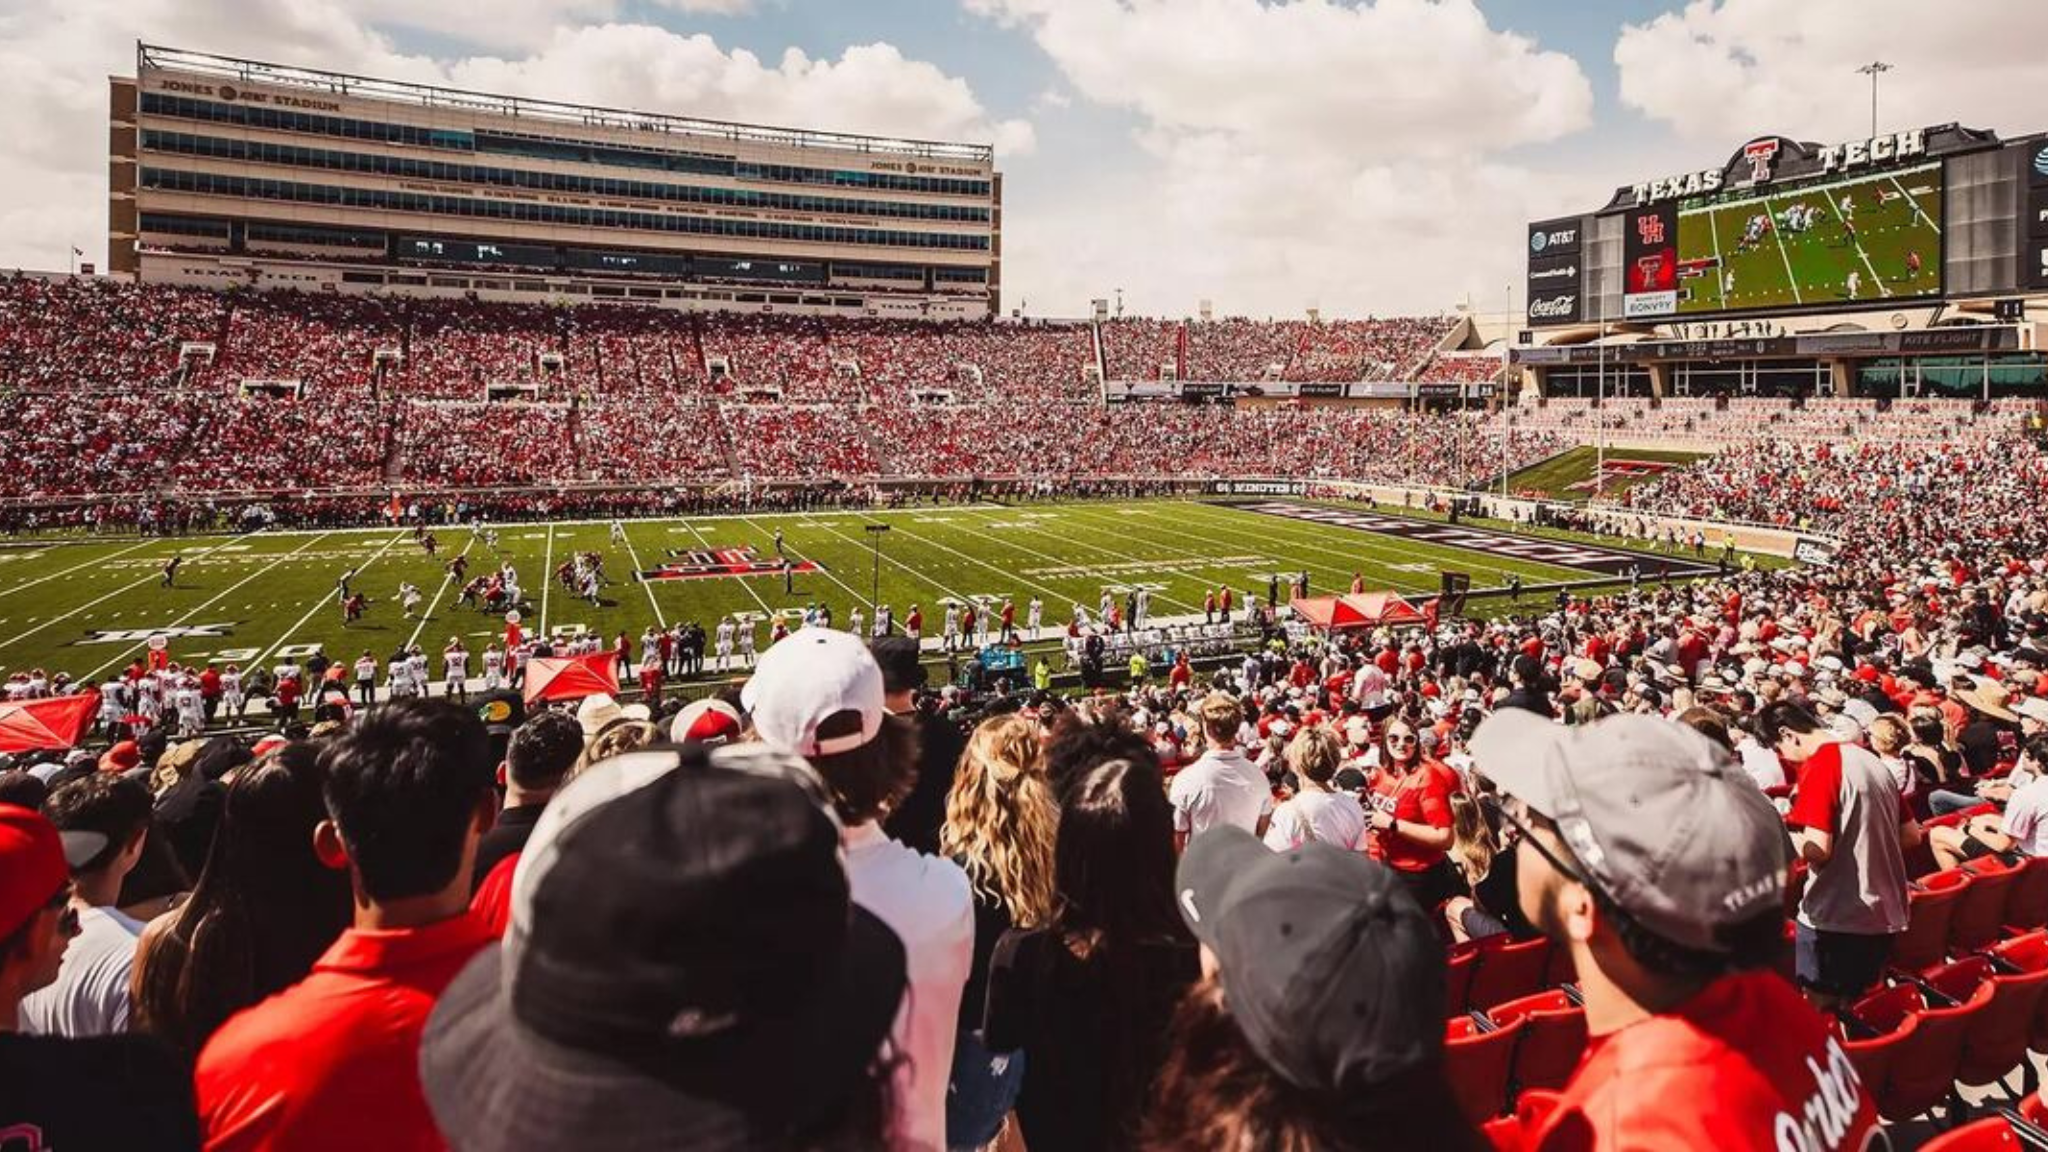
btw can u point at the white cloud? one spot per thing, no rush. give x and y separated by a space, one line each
55 56
1291 155
709 7
1723 71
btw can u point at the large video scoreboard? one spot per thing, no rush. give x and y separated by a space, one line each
1901 219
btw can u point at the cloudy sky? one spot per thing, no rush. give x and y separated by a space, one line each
1266 156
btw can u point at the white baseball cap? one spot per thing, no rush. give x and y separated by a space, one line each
808 678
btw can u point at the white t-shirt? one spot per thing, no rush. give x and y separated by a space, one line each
1220 788
2026 817
1760 763
1329 817
927 902
90 994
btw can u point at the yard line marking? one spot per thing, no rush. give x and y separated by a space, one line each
1779 239
1874 277
644 585
894 562
325 600
1281 543
547 581
985 564
11 641
706 545
1720 268
447 577
216 597
76 567
1917 213
1163 597
1291 545
826 572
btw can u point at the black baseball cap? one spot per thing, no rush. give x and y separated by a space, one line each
684 967
1330 968
500 710
902 671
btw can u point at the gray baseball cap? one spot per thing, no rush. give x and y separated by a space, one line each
1662 820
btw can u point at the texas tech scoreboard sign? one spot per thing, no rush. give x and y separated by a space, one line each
1765 232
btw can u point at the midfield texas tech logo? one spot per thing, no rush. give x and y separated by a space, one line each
709 564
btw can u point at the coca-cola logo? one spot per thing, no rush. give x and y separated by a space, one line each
1559 307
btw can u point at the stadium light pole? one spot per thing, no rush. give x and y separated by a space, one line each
874 532
1874 69
1501 396
1599 407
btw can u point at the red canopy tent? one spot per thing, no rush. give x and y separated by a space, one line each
56 722
1385 608
1357 610
572 677
1330 613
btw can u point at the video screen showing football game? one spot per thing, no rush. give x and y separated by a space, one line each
1858 240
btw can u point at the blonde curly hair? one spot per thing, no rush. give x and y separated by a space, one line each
1001 817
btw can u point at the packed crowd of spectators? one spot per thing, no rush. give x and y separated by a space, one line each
1326 892
484 445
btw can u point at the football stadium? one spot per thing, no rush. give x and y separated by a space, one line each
531 624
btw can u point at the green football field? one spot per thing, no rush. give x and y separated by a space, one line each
1569 474
1788 266
89 607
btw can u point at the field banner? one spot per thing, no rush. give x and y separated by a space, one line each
1255 488
1818 553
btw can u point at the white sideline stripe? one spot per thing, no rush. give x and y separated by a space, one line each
210 602
76 567
12 641
323 601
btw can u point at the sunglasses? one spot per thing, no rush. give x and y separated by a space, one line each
1516 816
1401 741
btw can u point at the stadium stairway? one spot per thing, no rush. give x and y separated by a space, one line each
394 467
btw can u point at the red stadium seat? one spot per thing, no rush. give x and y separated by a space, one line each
2026 906
1553 1037
1980 914
2034 1109
2028 954
1458 978
1991 1134
1873 1055
1924 1066
1507 970
1932 902
1479 1064
1997 1040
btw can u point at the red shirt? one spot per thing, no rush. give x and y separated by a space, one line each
493 900
333 1061
1745 1064
1421 797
